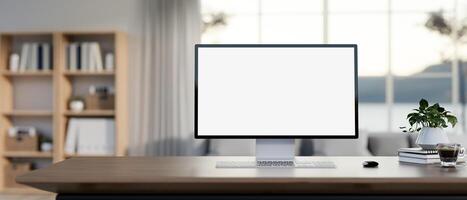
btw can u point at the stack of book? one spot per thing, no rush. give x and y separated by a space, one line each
85 56
418 156
34 57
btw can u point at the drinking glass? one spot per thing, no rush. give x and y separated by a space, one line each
448 153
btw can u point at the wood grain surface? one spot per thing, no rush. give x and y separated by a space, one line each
198 175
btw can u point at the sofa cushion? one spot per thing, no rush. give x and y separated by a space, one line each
458 138
387 144
342 147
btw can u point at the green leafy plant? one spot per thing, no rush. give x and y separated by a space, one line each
433 116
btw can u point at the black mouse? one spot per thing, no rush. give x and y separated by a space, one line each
370 164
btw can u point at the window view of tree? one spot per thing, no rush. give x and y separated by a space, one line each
407 49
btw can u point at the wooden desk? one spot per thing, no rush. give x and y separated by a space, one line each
199 176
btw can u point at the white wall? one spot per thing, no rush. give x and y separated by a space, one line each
26 15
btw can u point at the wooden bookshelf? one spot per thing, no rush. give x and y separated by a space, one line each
77 73
77 155
91 113
25 191
27 154
27 74
28 113
63 86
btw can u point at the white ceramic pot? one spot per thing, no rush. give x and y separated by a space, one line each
77 106
428 137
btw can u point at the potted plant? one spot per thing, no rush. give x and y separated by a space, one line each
430 120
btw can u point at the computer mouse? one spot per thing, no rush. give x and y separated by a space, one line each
370 164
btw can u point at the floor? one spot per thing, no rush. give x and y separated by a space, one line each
26 197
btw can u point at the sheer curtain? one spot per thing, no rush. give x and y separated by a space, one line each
162 89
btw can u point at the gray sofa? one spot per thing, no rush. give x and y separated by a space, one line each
376 144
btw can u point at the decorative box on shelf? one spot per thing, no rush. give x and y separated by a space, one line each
22 139
100 98
100 102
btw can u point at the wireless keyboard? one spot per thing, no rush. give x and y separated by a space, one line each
275 164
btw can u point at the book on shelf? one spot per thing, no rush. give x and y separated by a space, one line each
46 55
24 56
35 57
85 56
90 136
39 56
78 56
95 57
71 136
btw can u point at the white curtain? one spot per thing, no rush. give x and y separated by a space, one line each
162 89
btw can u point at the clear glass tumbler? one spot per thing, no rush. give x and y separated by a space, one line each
448 153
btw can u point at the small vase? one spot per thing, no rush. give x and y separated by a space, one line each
428 137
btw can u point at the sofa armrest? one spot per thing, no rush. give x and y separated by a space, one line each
387 144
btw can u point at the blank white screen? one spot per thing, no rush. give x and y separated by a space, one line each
276 91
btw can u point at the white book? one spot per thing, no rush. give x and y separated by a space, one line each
418 160
85 137
84 56
68 56
109 147
421 156
418 150
46 64
81 57
33 59
92 64
87 49
72 136
100 62
425 161
96 57
73 57
24 56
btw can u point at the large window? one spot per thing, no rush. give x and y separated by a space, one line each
401 59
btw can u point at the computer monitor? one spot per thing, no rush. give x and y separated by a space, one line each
276 93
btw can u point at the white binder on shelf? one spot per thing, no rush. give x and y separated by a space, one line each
23 63
95 57
96 136
46 58
90 136
85 57
33 61
73 56
72 136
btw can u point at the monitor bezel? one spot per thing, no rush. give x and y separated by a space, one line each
197 46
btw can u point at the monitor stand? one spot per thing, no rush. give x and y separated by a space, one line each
275 153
